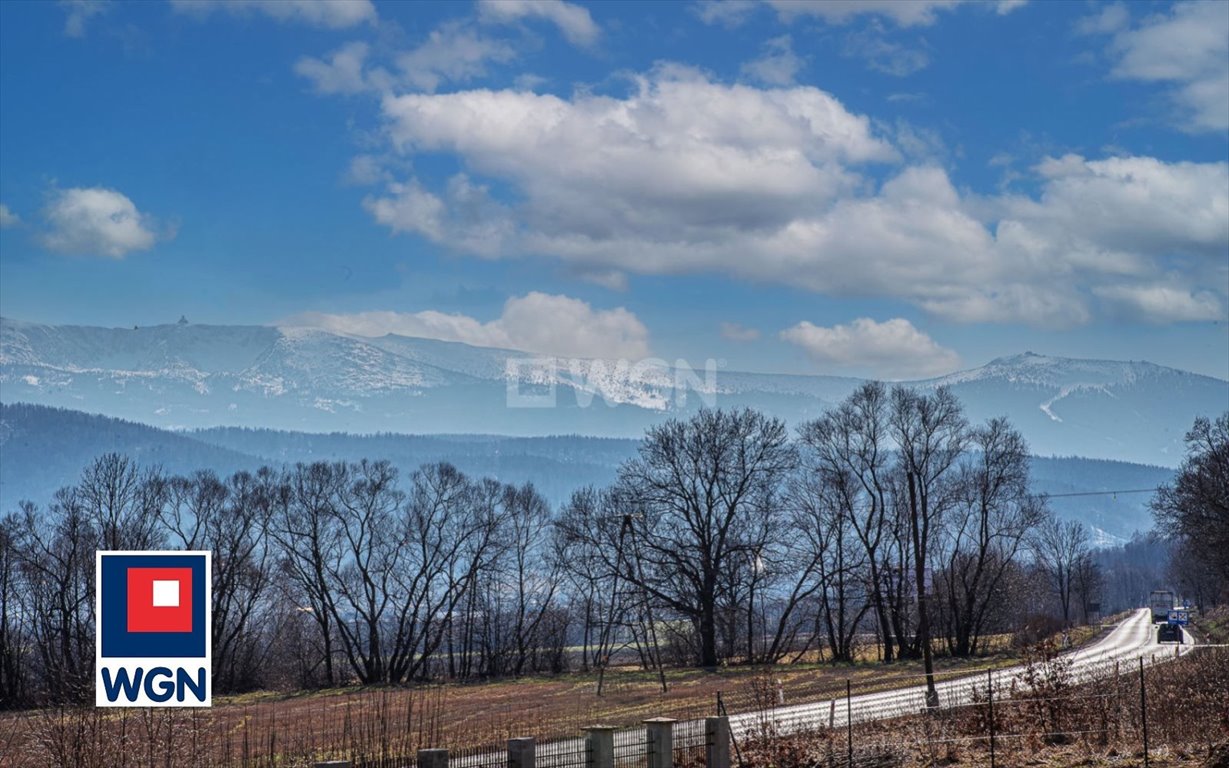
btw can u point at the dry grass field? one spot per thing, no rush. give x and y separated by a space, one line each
276 729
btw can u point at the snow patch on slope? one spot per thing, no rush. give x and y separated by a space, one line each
1067 390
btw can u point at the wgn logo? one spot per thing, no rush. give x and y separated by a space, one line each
154 625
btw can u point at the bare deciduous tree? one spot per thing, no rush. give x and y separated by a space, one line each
449 535
851 445
587 575
930 436
58 560
231 520
1060 546
12 625
311 547
123 502
1195 507
703 485
988 525
534 578
823 501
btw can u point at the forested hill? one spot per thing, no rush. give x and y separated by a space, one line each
1113 516
555 465
42 449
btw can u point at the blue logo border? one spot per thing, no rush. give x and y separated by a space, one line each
117 641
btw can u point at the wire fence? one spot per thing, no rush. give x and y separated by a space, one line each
1124 705
774 717
691 742
477 757
632 748
571 753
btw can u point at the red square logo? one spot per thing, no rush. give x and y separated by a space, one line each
159 599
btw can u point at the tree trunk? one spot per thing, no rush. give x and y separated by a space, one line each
708 634
919 567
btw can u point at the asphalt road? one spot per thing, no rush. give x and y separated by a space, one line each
1133 639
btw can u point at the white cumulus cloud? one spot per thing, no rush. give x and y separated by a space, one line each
96 221
78 14
1112 213
727 13
688 175
8 218
736 332
906 13
573 21
341 72
330 14
536 322
893 349
1186 48
778 65
409 208
1163 304
682 159
464 218
453 52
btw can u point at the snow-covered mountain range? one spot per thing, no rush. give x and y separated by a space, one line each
192 376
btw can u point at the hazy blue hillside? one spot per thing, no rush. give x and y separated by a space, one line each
556 465
1117 515
43 448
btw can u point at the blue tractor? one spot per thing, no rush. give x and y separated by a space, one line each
1171 630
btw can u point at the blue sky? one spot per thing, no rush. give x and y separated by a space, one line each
882 188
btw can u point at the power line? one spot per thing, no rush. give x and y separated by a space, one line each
1099 493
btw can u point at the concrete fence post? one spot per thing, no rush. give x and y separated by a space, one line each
432 758
521 752
599 744
717 742
660 731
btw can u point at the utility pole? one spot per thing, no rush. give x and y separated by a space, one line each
919 568
654 648
627 530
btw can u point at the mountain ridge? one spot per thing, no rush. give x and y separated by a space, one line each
45 448
187 376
